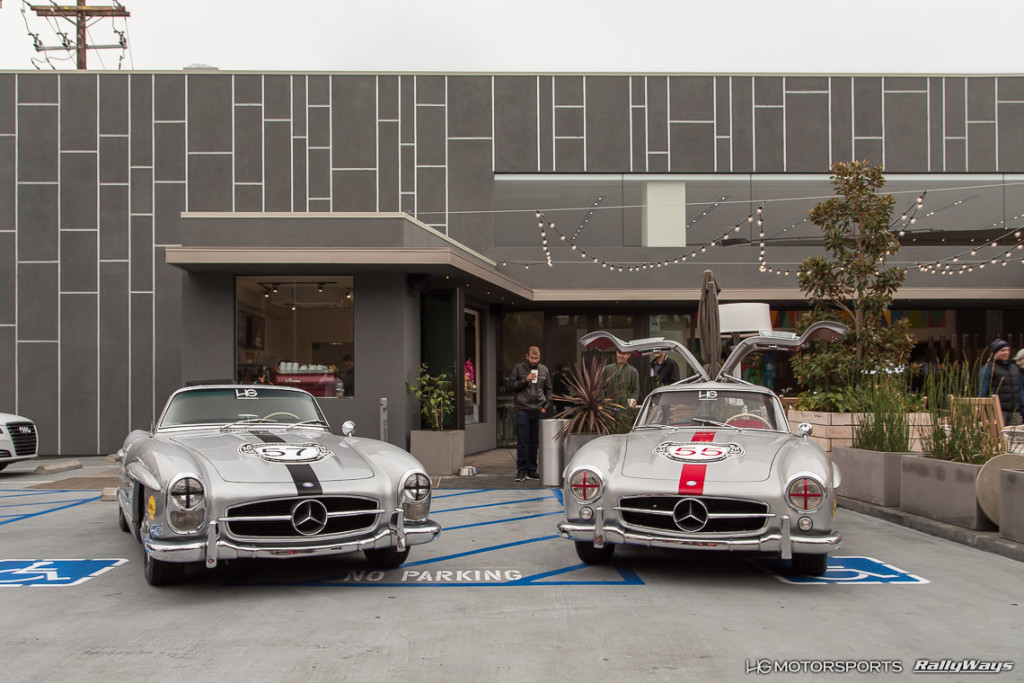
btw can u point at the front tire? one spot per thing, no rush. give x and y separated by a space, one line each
160 573
590 554
810 565
122 523
386 558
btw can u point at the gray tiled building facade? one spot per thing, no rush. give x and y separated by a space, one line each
96 170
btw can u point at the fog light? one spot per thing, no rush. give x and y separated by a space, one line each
586 513
805 523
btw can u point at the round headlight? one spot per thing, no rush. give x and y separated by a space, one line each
805 493
187 493
585 485
417 487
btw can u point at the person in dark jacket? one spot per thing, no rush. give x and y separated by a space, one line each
664 370
530 381
1002 378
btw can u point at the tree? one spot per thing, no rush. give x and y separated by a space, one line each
851 284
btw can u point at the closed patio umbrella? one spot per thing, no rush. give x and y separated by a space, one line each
708 324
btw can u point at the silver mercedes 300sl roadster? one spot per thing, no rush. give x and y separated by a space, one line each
708 465
255 472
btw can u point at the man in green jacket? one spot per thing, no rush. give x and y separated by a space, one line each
623 380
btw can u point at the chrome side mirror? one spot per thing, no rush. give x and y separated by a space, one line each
348 428
804 429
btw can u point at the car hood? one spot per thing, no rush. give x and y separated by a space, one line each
727 454
265 457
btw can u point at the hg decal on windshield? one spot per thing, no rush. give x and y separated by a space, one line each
697 452
285 452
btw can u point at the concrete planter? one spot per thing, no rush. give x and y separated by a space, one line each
942 490
871 476
574 442
439 452
832 430
1011 505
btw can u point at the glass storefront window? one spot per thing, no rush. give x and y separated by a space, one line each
471 368
296 331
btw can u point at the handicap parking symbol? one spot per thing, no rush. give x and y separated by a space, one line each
53 572
858 570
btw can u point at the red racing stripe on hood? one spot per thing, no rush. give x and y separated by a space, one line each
704 436
691 479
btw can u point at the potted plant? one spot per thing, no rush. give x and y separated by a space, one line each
439 450
592 412
943 485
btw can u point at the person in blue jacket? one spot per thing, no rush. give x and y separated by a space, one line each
1002 378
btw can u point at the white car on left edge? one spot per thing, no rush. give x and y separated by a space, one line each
17 439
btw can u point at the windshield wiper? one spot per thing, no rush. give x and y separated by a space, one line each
246 421
306 423
715 423
653 427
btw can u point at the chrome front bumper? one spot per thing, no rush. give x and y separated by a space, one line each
782 542
213 548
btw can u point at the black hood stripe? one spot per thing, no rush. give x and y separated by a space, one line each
306 481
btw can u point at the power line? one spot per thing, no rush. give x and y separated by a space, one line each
79 15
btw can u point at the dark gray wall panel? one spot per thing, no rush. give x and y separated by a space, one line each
407 165
248 89
569 90
210 186
956 155
169 144
956 107
8 183
169 97
8 282
353 121
742 124
298 106
78 190
113 222
168 363
657 114
113 356
841 118
8 104
1011 135
407 107
515 124
387 155
114 160
981 147
209 113
141 119
248 145
357 191
469 107
906 131
37 88
37 379
141 354
277 96
37 143
768 139
78 112
278 184
723 118
208 335
324 205
869 150
319 130
569 155
807 83
430 89
693 147
141 270
691 98
8 366
299 173
78 261
906 83
37 302
79 376
608 124
1010 88
430 194
807 132
545 124
769 91
37 222
471 188
723 154
657 162
141 190
318 89
867 106
430 137
168 203
319 174
936 139
981 98
638 129
569 121
387 97
248 198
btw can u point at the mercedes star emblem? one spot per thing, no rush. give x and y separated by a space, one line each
309 517
690 514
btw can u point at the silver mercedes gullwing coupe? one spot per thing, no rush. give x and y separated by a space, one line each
243 471
708 465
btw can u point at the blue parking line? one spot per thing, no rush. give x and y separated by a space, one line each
629 578
480 550
491 505
46 512
468 492
503 521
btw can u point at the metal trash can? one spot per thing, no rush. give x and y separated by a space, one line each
552 452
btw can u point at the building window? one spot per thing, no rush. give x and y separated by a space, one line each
471 368
296 331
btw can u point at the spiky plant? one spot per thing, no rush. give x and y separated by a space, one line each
591 409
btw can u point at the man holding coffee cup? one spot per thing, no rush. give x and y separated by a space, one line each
530 381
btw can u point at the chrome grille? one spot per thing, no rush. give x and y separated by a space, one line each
724 515
23 434
267 519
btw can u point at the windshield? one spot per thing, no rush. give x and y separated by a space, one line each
704 407
225 405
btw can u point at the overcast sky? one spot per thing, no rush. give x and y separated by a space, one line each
681 36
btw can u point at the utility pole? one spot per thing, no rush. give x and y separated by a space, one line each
81 13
